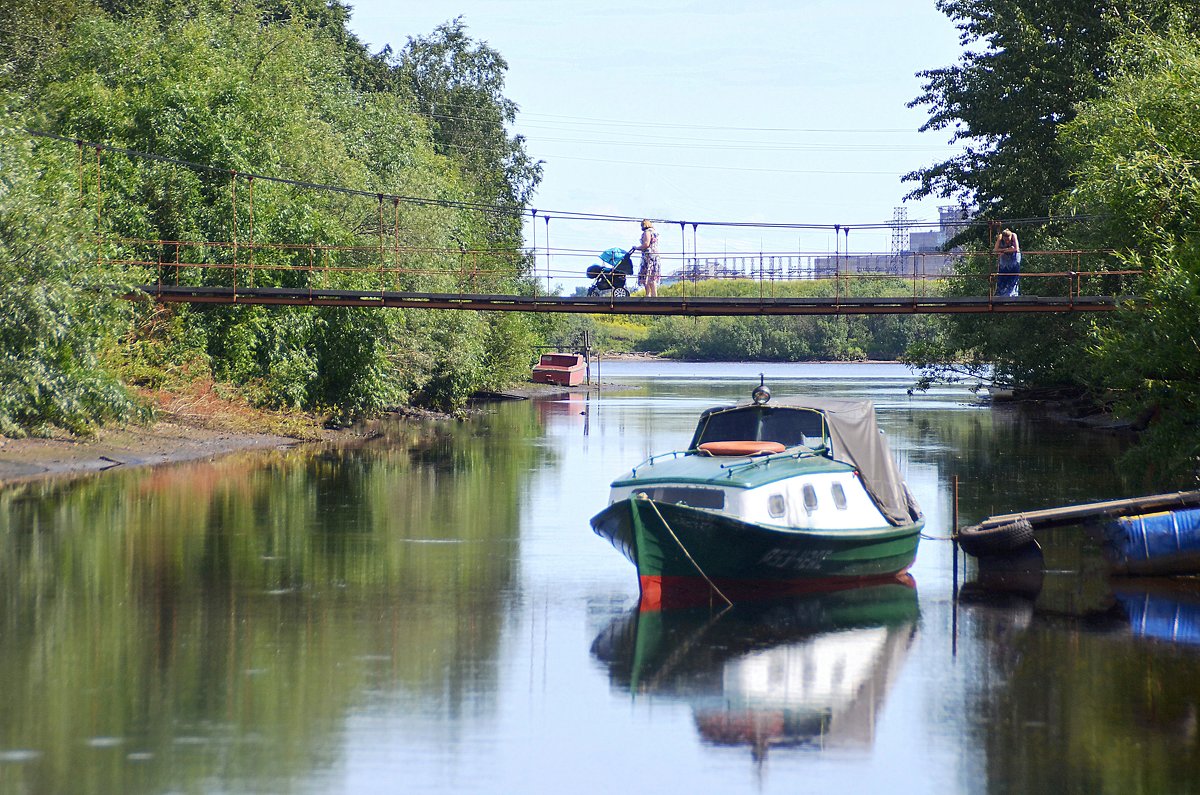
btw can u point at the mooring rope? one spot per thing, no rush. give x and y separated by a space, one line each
681 651
667 525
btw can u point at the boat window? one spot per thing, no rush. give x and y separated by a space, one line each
776 505
839 497
730 426
810 498
787 426
684 495
793 426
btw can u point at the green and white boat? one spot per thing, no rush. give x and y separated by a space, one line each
770 497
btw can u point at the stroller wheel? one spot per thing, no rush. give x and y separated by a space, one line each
592 291
620 292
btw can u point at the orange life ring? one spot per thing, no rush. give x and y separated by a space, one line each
742 448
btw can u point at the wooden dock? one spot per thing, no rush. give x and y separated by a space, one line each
1110 509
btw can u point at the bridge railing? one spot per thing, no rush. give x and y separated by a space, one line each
388 266
316 266
1059 273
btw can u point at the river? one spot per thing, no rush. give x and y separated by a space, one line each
429 611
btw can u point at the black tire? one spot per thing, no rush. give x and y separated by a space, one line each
592 291
620 292
986 541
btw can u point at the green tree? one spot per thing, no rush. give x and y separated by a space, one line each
1026 67
58 320
459 86
281 88
1136 150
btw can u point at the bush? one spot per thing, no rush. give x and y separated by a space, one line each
53 325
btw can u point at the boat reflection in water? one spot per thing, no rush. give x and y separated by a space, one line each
808 672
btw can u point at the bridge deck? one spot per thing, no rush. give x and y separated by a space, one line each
690 306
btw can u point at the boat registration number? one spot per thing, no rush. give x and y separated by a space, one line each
795 559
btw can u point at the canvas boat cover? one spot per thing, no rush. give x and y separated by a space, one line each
857 440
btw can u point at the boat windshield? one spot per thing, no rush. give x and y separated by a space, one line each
788 426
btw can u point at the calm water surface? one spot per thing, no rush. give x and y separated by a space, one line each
430 612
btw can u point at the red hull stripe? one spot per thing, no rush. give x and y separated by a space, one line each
667 592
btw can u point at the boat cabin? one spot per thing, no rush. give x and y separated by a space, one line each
842 430
787 426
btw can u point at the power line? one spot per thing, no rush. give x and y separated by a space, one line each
720 168
676 139
677 125
521 211
749 147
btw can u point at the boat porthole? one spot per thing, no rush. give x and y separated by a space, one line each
839 497
776 505
810 498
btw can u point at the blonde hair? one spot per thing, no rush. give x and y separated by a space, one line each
647 224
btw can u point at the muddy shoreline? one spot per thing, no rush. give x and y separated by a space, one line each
164 442
216 431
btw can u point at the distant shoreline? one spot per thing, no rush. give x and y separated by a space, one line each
654 357
181 437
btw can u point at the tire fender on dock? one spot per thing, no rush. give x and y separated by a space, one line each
983 541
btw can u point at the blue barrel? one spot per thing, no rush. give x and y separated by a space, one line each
1156 543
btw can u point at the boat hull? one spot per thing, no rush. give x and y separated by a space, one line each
683 553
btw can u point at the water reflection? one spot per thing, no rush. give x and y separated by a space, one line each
1090 681
1162 610
167 623
568 409
807 672
419 613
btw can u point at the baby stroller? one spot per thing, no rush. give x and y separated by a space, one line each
609 278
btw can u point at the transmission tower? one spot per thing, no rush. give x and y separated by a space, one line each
899 237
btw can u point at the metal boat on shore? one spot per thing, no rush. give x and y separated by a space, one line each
770 497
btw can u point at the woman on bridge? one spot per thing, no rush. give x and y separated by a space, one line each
1009 266
649 274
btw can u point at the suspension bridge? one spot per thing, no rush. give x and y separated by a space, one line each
375 264
694 305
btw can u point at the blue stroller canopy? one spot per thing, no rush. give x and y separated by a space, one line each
613 256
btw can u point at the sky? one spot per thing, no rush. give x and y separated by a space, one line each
760 111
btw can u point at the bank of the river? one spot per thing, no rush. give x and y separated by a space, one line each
160 443
194 426
204 425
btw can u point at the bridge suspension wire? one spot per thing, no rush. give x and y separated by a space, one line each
572 215
296 183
